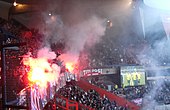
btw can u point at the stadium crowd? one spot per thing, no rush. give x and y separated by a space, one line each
102 55
142 92
89 98
18 33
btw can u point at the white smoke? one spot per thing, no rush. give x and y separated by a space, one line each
75 37
53 29
46 53
155 57
86 33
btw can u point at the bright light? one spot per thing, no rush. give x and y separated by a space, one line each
70 61
130 3
15 3
158 4
70 66
109 23
41 71
49 14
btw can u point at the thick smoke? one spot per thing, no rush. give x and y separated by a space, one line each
80 24
75 28
87 33
53 29
157 56
46 53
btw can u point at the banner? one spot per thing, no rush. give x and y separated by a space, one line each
97 71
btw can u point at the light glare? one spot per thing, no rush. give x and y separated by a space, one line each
15 3
158 4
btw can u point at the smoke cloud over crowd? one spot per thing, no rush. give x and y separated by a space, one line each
75 29
156 55
81 25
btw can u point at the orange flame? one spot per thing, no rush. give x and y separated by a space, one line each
41 71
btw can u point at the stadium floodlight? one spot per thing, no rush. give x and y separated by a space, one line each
163 5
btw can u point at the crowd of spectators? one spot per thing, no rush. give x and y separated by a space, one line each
120 54
159 94
12 27
106 53
139 93
162 91
33 42
88 98
14 30
98 81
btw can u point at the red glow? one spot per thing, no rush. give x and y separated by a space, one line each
27 34
70 61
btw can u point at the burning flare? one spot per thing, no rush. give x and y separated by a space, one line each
70 66
70 61
41 71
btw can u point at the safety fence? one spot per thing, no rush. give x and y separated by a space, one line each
63 103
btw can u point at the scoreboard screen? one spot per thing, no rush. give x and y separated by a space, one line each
132 76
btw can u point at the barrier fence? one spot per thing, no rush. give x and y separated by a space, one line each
63 103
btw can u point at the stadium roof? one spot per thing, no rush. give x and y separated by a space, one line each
25 12
29 10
